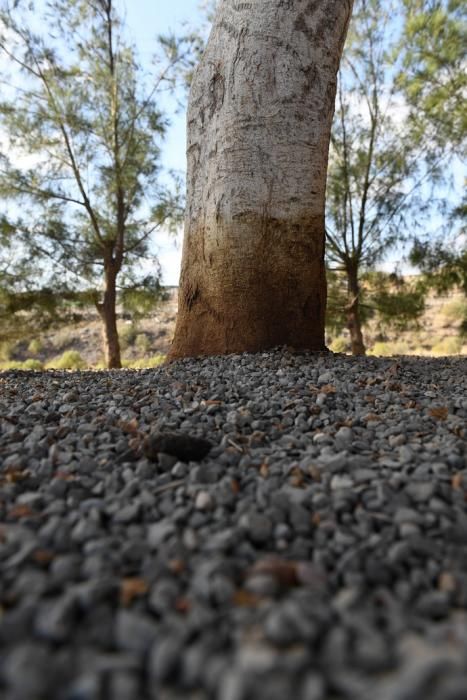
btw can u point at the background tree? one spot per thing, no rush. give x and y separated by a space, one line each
434 81
433 75
259 120
392 301
443 268
84 131
377 164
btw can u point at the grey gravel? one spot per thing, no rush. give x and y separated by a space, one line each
297 528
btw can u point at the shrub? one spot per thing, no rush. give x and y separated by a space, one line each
339 344
35 346
6 350
448 346
27 365
70 359
127 335
455 310
389 349
142 342
145 362
32 364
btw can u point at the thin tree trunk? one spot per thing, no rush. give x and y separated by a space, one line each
259 123
108 313
354 323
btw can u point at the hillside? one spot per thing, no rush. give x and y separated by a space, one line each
144 342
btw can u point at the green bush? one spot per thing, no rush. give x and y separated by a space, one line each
145 362
448 346
33 364
389 349
35 346
455 310
339 344
143 342
127 335
27 364
6 350
70 359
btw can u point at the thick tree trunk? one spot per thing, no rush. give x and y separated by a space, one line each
259 123
354 323
108 313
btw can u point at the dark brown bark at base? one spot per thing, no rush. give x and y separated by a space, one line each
111 342
354 323
108 313
268 292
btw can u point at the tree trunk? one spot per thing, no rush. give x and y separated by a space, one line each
354 323
259 122
108 313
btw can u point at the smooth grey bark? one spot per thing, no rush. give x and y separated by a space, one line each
259 122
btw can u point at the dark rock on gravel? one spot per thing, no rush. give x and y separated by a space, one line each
186 448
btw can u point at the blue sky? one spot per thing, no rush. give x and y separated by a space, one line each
146 19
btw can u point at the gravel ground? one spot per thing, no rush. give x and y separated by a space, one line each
318 552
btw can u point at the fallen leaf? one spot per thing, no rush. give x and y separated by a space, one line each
458 431
132 588
327 389
394 386
64 476
296 478
290 573
14 474
447 582
264 470
245 599
177 566
255 439
394 369
130 426
43 557
183 605
371 417
345 423
315 472
20 511
457 481
439 412
370 398
134 443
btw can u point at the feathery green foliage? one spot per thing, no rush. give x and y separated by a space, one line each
378 168
82 175
433 75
